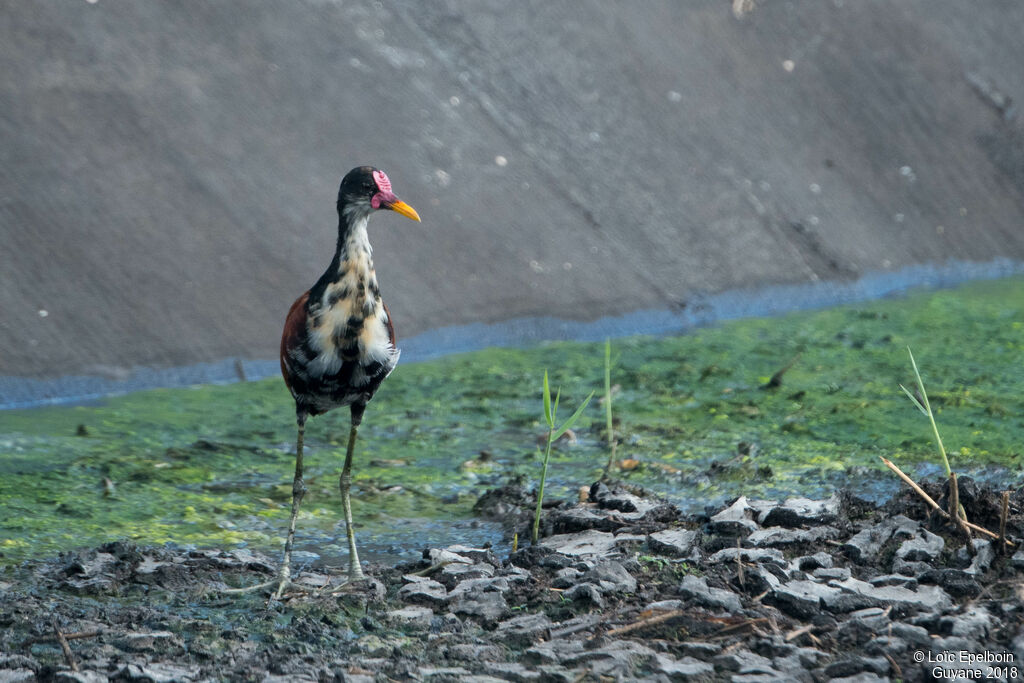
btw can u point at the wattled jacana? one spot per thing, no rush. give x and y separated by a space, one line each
338 343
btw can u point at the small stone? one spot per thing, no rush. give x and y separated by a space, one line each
412 617
511 671
883 645
929 598
460 572
777 537
567 577
581 544
984 554
811 657
908 568
555 673
924 547
975 623
617 658
894 580
915 635
489 606
479 555
803 599
735 520
681 669
426 591
440 555
581 518
524 630
477 586
72 677
798 512
581 623
146 641
851 667
157 673
446 673
585 591
17 676
1018 560
744 662
957 582
700 649
621 501
838 573
673 542
868 542
759 579
625 539
752 555
697 588
875 618
792 666
515 574
806 563
951 644
553 651
554 560
610 575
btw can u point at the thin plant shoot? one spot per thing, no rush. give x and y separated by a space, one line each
926 409
609 427
550 415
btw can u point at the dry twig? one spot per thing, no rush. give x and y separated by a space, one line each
650 621
62 639
796 633
960 522
931 501
1004 512
67 636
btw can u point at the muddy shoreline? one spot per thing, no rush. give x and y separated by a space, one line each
622 587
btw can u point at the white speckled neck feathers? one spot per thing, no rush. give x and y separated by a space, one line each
349 333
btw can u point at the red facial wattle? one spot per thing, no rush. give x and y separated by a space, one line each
384 193
385 198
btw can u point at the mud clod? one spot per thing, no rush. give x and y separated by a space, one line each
799 590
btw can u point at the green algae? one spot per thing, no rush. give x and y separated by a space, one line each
211 465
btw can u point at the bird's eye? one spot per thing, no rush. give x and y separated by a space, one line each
368 187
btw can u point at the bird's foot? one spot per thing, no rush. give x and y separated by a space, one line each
279 586
351 582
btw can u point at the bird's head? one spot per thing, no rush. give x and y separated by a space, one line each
366 189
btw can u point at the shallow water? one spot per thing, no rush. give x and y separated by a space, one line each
212 465
700 311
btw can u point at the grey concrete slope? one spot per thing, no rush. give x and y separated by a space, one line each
168 170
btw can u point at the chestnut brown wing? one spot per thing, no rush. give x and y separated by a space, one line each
293 337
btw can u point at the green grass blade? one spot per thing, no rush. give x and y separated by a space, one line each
920 382
540 491
914 400
608 402
928 411
569 423
547 402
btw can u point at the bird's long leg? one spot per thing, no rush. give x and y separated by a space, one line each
355 571
283 579
298 492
